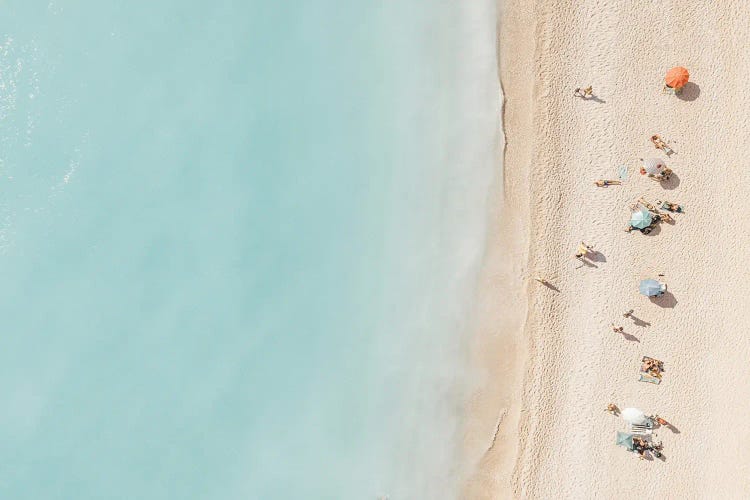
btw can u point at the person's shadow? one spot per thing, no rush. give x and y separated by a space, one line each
639 322
690 92
586 263
598 100
672 428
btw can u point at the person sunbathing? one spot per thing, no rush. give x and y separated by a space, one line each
651 364
605 183
658 143
647 204
672 207
666 218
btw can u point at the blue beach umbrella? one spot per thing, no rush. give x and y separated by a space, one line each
641 218
651 288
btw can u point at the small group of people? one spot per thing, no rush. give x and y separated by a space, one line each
652 366
641 446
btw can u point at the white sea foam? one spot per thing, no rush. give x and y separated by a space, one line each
449 150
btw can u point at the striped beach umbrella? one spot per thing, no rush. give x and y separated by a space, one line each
653 166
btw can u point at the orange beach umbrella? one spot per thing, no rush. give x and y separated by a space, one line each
677 77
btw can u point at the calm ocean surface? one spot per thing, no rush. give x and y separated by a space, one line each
238 245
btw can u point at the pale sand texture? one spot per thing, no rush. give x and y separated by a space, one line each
575 364
492 433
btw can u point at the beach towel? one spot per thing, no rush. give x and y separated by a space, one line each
645 377
622 173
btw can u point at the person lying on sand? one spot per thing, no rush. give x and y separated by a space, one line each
647 204
605 183
660 144
666 218
668 205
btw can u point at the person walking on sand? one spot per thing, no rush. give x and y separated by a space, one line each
584 93
541 280
613 409
628 314
617 329
583 250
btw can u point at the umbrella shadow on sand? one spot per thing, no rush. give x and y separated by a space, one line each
672 182
596 256
690 92
666 300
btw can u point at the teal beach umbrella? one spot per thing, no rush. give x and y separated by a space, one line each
641 218
625 439
651 288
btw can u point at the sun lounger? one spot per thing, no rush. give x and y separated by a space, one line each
645 429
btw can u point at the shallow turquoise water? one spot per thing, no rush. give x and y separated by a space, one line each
238 245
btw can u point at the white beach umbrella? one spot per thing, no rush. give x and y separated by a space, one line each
654 166
634 416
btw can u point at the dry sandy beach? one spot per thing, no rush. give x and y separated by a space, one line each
551 360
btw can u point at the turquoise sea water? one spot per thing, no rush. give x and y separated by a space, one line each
238 245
